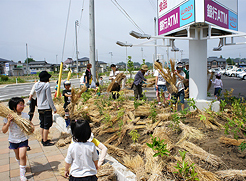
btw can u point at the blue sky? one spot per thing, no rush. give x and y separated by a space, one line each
41 24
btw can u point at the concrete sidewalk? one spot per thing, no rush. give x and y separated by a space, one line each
43 163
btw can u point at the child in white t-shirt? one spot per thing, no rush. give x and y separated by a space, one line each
18 141
82 155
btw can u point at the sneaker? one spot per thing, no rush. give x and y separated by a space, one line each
48 143
23 178
28 148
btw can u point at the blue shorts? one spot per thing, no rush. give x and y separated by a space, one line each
161 88
217 91
179 95
18 145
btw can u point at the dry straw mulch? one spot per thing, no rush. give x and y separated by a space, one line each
25 125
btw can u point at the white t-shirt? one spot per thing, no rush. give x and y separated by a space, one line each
15 133
81 156
33 93
179 82
114 74
161 80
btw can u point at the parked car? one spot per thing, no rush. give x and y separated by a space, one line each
230 68
222 71
215 70
233 73
242 75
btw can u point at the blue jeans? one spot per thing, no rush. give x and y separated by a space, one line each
179 95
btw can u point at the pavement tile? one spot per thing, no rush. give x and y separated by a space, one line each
3 156
4 150
60 178
16 172
11 154
34 150
12 160
35 155
4 161
41 160
55 158
5 138
4 176
14 166
52 153
57 166
34 146
4 144
40 168
50 179
48 174
4 168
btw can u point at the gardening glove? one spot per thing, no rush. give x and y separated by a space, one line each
28 102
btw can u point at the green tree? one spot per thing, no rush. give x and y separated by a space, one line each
29 60
130 65
230 61
143 62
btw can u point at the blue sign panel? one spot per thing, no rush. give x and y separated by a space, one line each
187 13
233 21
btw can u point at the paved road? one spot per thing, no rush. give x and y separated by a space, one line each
9 91
14 90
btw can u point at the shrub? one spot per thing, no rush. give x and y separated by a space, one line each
4 78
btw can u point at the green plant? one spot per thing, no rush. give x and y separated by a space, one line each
159 146
153 112
107 119
242 146
175 121
186 171
136 103
208 94
222 104
192 103
202 117
120 114
121 123
86 96
134 134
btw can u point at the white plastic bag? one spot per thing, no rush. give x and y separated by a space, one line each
93 85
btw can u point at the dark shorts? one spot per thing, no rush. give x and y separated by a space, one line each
161 88
45 117
217 91
179 95
18 145
88 178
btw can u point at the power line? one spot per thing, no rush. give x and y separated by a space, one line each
66 30
123 11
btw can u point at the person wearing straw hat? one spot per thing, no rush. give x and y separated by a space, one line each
138 81
45 106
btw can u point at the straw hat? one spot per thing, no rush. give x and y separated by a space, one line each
144 67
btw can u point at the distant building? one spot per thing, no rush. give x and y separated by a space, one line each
82 64
39 66
212 62
121 65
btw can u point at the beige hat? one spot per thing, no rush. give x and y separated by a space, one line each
144 67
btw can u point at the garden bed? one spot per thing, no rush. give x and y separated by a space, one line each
125 126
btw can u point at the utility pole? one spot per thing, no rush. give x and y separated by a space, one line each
181 51
92 38
27 71
77 52
142 53
111 53
126 57
155 44
56 63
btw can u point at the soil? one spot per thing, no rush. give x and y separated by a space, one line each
230 155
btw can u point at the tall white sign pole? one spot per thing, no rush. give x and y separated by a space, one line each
92 38
198 68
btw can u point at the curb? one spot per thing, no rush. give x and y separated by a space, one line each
123 173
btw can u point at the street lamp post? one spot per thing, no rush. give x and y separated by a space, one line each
77 52
111 53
